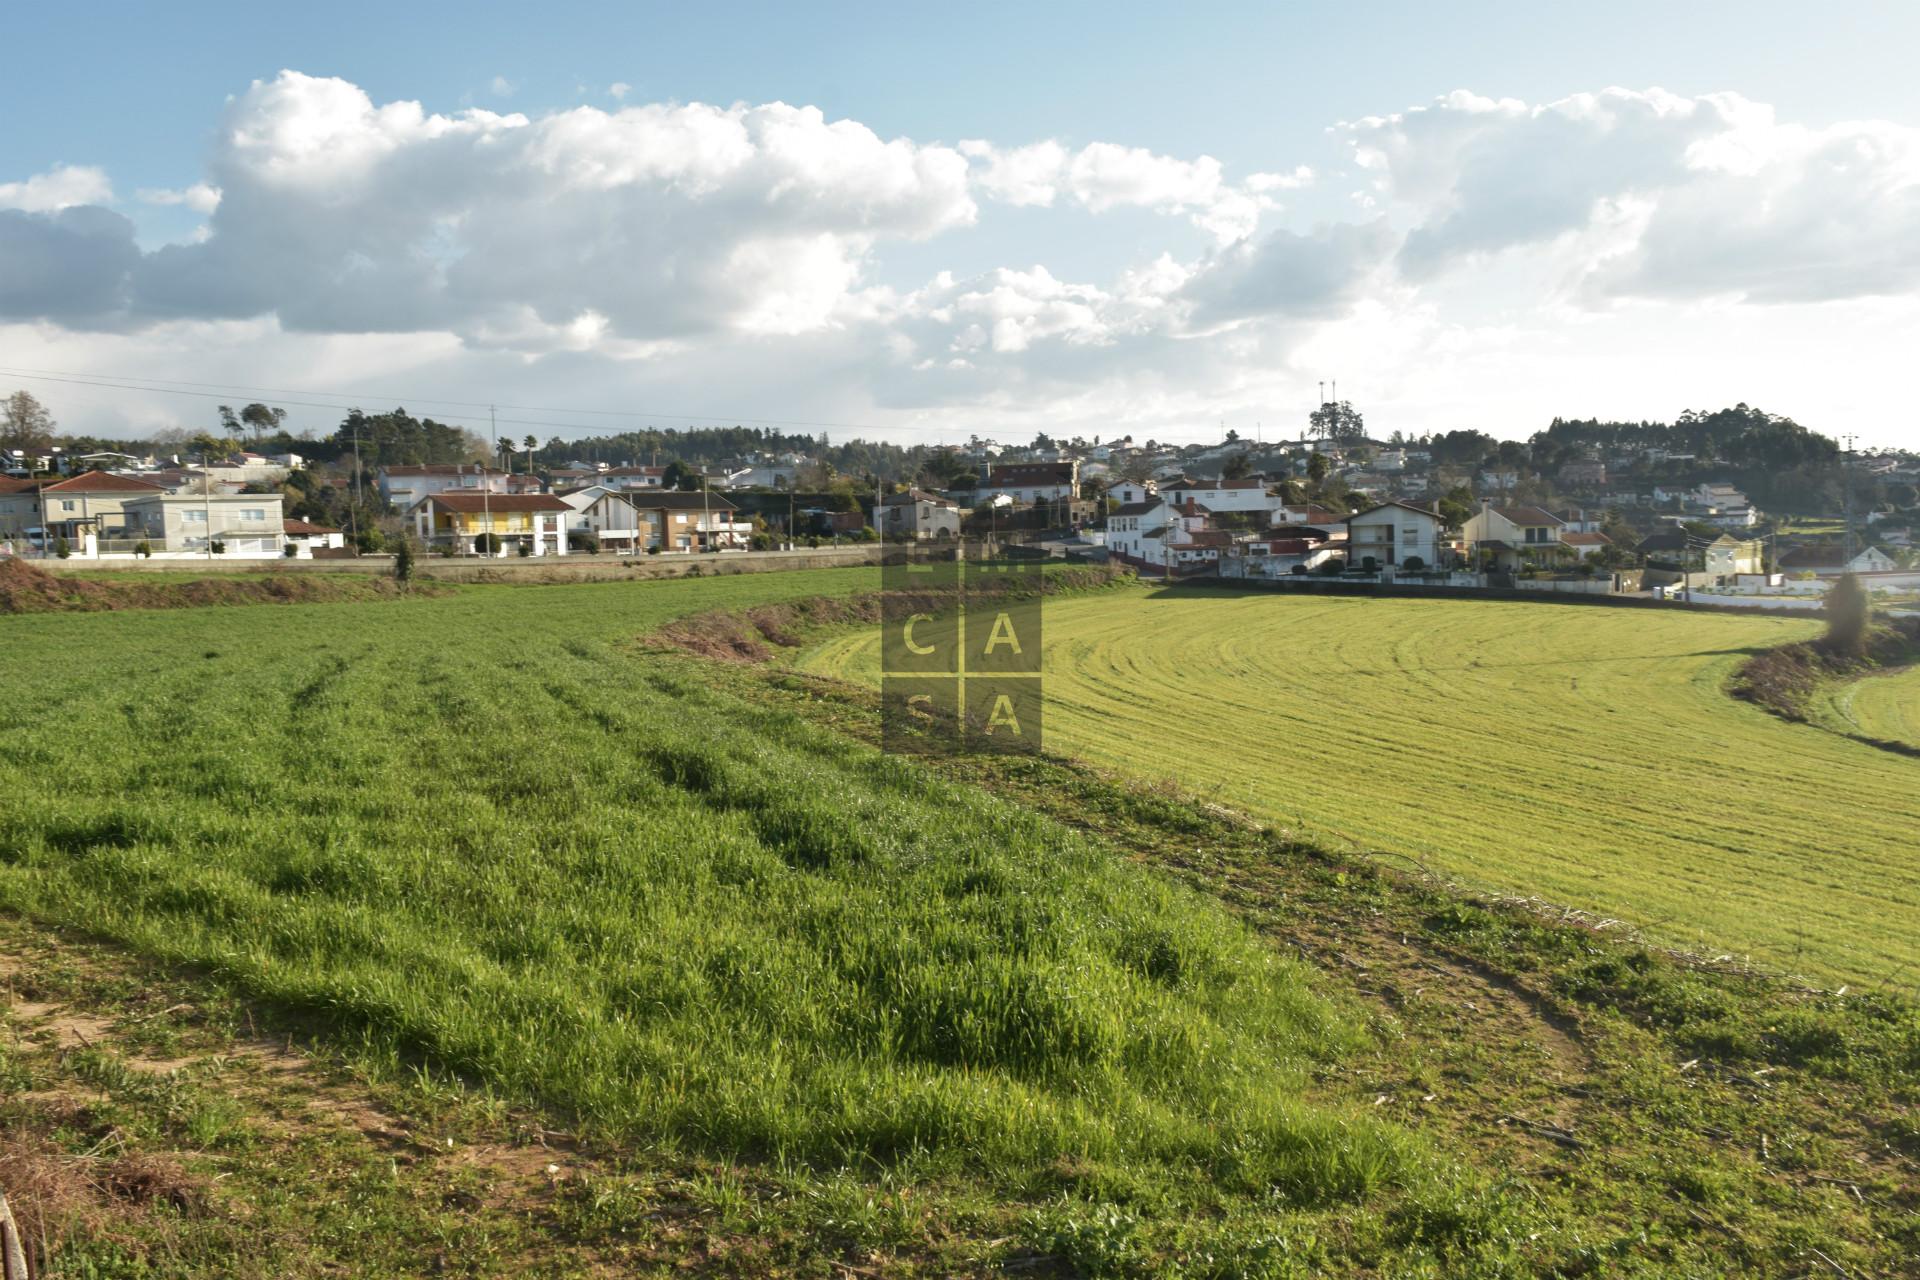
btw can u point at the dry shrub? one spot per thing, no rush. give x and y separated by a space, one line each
57 1196
27 589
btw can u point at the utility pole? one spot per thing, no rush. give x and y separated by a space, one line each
353 509
486 482
1846 480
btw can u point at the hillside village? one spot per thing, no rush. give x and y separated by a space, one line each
1581 506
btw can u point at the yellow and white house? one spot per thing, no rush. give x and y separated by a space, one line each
537 521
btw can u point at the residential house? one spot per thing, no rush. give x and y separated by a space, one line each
82 509
917 514
1312 516
1126 492
1588 473
640 519
1669 543
1396 535
1585 543
1722 505
456 519
1830 560
1514 536
1156 537
1033 482
1282 550
236 525
405 485
632 477
1246 494
304 538
1728 557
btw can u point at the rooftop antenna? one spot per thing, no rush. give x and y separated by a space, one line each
1323 391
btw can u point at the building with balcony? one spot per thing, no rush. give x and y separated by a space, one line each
237 525
536 522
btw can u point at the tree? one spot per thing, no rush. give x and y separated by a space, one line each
680 476
25 424
1336 420
403 561
1238 467
1319 467
1849 613
262 418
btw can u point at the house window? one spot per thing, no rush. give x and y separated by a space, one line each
66 504
253 513
193 517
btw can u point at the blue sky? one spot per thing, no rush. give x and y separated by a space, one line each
1501 315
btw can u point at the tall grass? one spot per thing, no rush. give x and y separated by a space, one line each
484 831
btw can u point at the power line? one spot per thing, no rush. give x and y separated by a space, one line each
172 386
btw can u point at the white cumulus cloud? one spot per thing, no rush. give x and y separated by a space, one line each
58 188
200 197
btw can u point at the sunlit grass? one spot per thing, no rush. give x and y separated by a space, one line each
1586 755
484 831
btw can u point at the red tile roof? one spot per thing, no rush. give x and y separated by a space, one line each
1586 539
102 482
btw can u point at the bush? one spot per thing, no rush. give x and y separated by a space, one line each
290 550
486 544
61 549
1300 570
144 549
403 561
1849 613
1333 568
763 542
1369 565
867 534
219 547
369 541
1414 564
581 540
654 550
525 549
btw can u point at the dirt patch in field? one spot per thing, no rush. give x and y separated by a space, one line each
24 588
753 635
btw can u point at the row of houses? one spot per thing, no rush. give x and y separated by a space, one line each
99 513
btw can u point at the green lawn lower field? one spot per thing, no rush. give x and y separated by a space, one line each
1883 707
1585 755
487 831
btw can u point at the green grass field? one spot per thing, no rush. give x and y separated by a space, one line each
1585 755
1883 707
484 830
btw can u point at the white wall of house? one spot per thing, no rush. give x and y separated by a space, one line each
1393 535
249 525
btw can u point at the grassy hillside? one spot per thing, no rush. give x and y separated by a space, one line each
1882 707
1585 755
481 831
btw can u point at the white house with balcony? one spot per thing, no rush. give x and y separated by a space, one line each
236 526
1396 535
